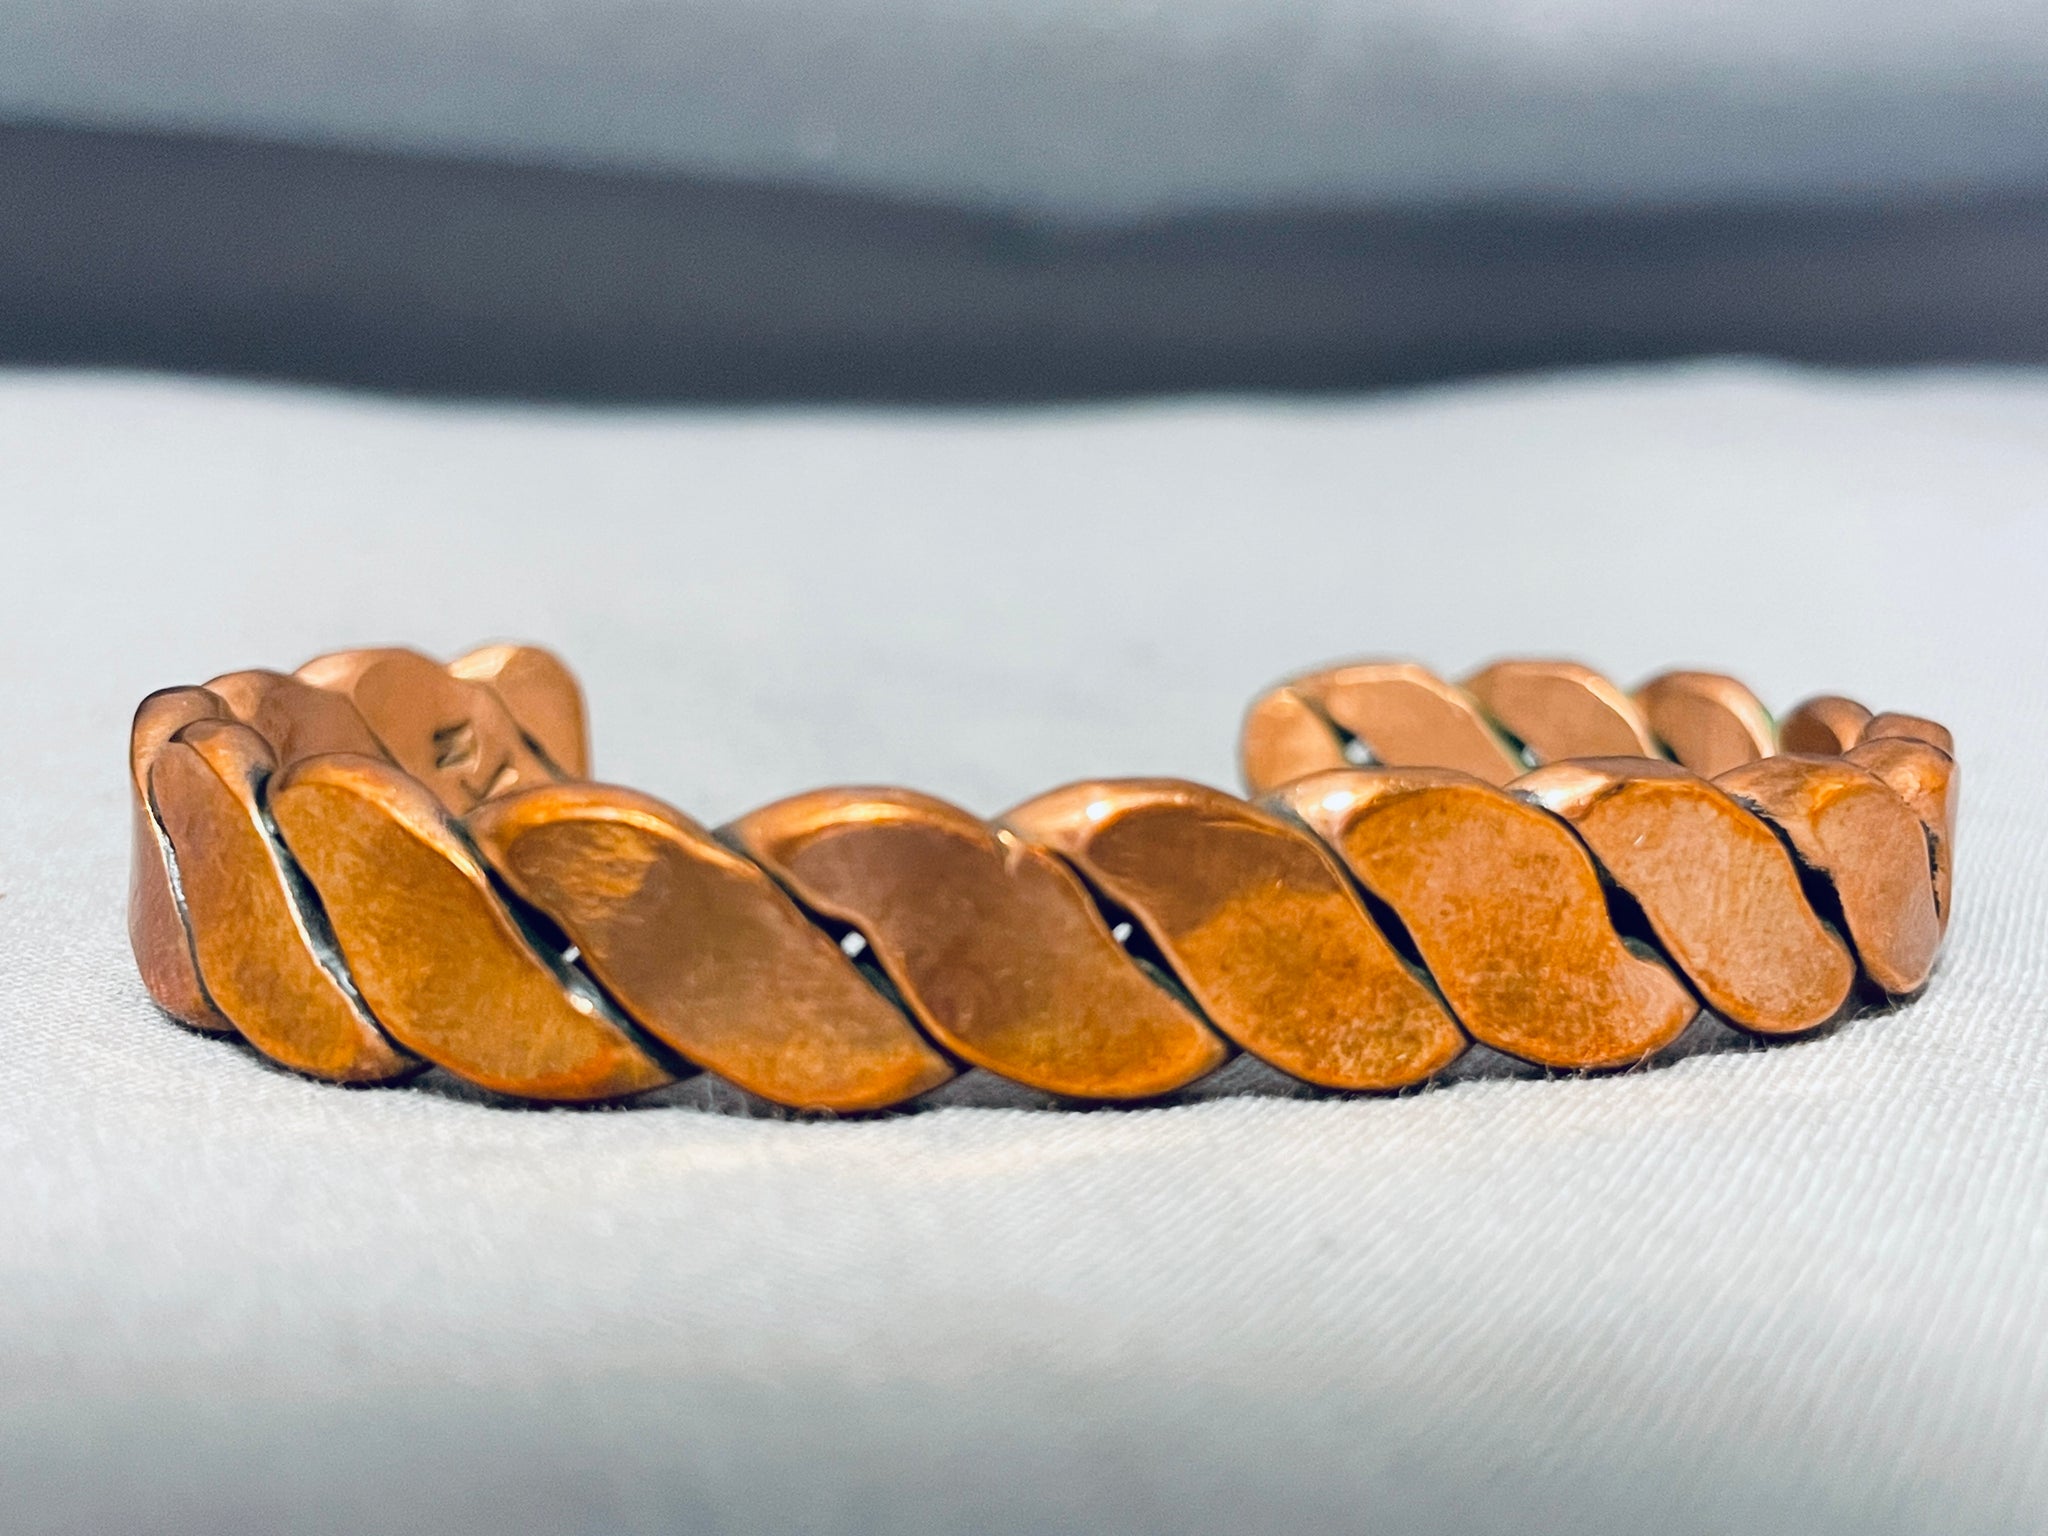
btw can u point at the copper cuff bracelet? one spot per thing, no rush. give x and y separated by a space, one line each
379 863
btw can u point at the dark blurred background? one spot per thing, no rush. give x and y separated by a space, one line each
1012 199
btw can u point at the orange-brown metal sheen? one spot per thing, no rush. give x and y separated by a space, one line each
1826 726
992 942
453 735
543 695
1407 716
251 927
1258 922
704 950
1848 824
440 962
1284 737
158 931
1925 777
298 874
1560 709
1506 909
1914 727
295 718
1710 723
1719 890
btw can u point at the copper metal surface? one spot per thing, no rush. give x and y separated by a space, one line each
1925 778
1829 726
295 718
443 965
261 942
543 696
1285 737
1847 824
992 942
453 735
1397 713
1560 709
1504 906
838 951
1259 924
1718 889
705 950
1912 727
1709 722
158 932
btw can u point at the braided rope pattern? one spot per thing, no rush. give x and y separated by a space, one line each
379 863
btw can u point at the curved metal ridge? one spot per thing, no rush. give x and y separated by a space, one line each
380 863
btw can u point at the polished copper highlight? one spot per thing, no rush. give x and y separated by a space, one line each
1390 712
1506 909
1828 725
157 929
381 863
294 718
1851 829
260 939
1708 722
1559 709
991 941
704 949
1716 885
1257 920
544 697
444 965
452 734
1925 777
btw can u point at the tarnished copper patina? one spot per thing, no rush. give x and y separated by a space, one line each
381 862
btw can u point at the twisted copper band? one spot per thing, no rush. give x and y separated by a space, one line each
379 863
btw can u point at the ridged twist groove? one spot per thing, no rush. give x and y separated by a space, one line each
381 863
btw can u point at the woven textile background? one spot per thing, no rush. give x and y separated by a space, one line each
1802 1289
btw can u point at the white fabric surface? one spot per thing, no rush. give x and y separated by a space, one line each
1080 108
1801 1289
